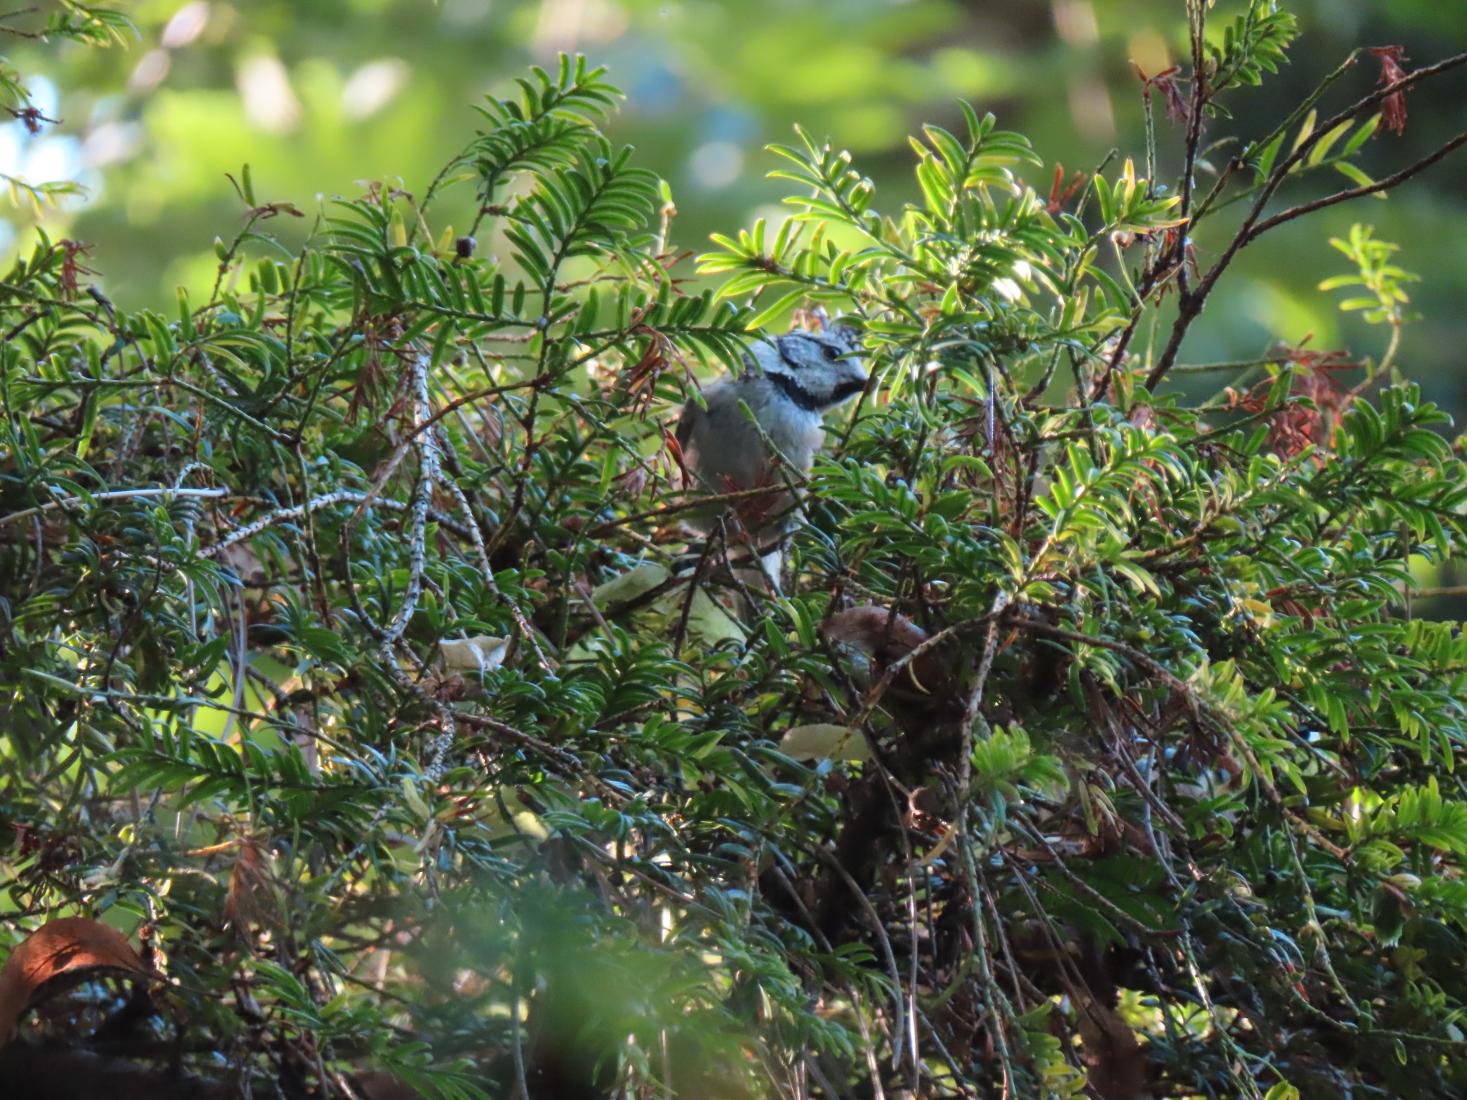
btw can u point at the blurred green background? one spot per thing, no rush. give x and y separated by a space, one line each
320 95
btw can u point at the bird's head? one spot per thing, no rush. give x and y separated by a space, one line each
816 370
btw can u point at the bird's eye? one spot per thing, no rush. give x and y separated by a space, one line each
830 353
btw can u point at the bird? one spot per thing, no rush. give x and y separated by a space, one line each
788 384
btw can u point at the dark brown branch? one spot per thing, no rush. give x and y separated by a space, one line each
698 571
1197 25
1380 95
1356 192
657 514
1131 653
1189 306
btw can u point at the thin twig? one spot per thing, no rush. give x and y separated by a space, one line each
111 494
1190 305
1346 195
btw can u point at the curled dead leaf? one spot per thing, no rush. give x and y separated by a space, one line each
480 653
252 898
77 947
824 741
708 623
636 582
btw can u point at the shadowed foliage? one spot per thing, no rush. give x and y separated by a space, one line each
356 649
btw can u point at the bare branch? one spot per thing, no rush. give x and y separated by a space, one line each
1356 192
1190 305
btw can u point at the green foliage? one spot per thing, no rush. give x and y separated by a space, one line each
1385 297
1253 44
78 22
351 643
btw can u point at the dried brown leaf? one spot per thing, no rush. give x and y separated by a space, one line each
251 897
1393 108
73 946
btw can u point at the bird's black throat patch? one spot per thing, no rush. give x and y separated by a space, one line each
796 392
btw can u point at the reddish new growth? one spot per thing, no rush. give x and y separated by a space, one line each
31 118
71 267
379 336
1166 83
1393 109
1061 192
1300 424
633 483
639 381
674 450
